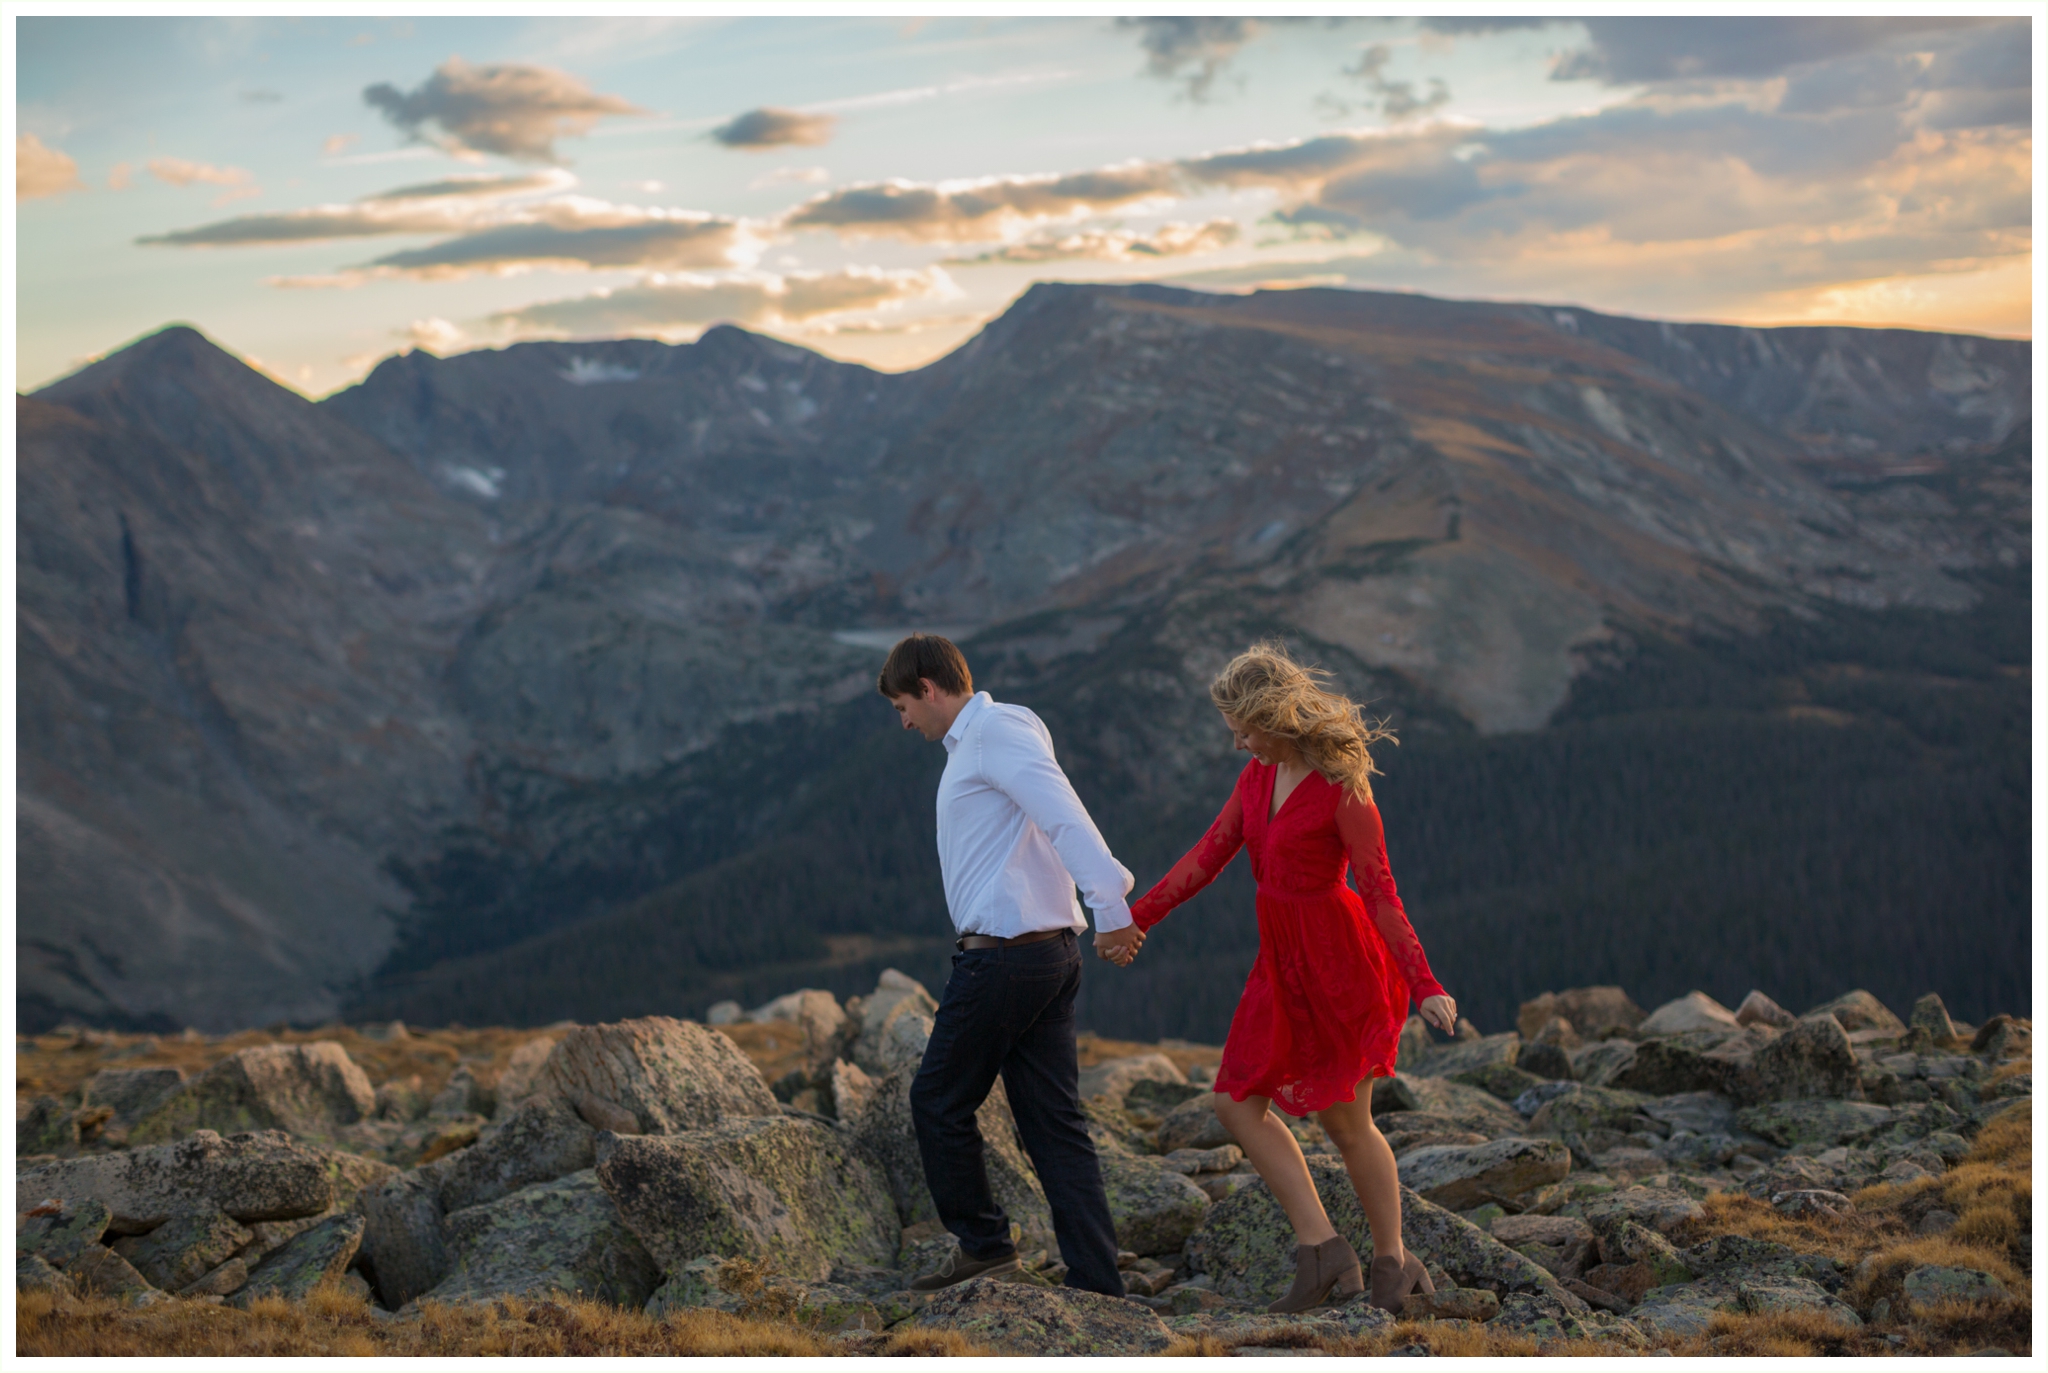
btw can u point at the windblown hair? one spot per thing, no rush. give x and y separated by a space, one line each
922 656
1266 689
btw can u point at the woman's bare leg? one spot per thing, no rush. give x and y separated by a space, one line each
1370 1161
1272 1149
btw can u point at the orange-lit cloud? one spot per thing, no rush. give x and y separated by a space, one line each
512 109
41 170
676 306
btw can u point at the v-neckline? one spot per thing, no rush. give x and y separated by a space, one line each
1273 810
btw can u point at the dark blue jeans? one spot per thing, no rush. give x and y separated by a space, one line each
1011 1011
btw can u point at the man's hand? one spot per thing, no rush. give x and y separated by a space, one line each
1120 946
1439 1011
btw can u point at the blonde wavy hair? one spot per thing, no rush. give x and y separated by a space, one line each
1264 687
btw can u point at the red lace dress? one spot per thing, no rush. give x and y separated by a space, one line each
1326 999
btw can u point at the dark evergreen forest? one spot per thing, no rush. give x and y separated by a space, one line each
1840 801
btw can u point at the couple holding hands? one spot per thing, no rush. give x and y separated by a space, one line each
1321 1011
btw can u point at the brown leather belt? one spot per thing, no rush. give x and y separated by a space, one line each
989 941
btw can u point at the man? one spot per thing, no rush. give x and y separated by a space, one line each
1014 840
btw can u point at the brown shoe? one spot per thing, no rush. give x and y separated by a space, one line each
1322 1272
959 1268
1392 1282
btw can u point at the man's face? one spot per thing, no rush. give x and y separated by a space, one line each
925 713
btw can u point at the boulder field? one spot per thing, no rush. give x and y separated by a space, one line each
1553 1177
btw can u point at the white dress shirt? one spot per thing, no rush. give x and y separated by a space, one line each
1014 839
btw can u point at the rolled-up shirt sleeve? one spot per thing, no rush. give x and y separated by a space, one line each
1018 761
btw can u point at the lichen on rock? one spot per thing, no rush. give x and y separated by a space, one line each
789 1191
565 1235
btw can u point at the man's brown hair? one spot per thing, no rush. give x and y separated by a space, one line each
920 656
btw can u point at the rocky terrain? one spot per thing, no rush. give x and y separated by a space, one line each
427 700
1599 1179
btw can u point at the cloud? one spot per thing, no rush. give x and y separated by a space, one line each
769 127
478 185
669 306
42 171
435 207
337 144
970 211
261 97
177 171
1205 43
435 335
1626 50
577 232
1117 245
1397 99
120 175
511 109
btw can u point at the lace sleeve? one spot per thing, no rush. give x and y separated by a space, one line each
1358 824
1196 870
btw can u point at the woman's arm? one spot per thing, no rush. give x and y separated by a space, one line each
1358 825
1196 870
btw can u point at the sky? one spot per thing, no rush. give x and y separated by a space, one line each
317 193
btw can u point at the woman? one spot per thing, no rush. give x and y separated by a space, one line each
1323 1008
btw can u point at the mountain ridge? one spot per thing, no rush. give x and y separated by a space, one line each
568 601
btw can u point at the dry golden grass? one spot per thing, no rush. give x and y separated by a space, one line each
333 1323
60 1064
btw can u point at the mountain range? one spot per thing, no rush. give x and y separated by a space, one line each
538 682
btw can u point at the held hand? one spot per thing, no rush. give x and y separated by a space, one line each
1442 1012
1119 946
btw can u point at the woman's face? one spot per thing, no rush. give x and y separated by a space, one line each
1270 749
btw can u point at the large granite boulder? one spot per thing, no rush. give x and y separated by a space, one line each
404 1234
1930 1020
1859 1010
1693 1011
99 1271
1473 1108
566 1235
540 1140
261 1176
302 1263
1461 1178
1658 1208
1115 1077
1017 1318
1758 1009
1812 1059
58 1233
1581 1115
1593 1012
789 1191
1597 1064
884 1132
131 1094
663 1075
1194 1124
521 1073
1811 1124
1154 1208
185 1248
1712 1059
1465 1055
817 1013
543 1138
308 1089
1686 1309
880 1047
1246 1246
